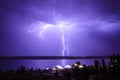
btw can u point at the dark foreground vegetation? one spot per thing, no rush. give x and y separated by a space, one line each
99 71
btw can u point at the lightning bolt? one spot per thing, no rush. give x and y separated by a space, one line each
65 50
63 26
63 41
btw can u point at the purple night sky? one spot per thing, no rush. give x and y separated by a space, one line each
96 30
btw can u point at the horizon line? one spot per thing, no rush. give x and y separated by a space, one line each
50 57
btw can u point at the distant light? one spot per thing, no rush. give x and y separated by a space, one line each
54 68
75 64
80 66
68 67
47 68
59 67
